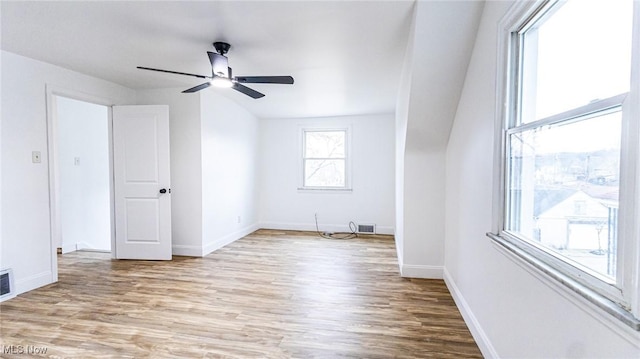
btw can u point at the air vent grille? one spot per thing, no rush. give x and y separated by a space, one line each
7 290
367 228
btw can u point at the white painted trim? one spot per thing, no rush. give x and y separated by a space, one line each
627 291
228 239
84 246
32 282
348 180
188 251
52 154
479 335
311 227
421 271
631 248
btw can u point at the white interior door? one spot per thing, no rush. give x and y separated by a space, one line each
142 182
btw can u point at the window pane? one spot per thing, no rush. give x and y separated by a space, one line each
324 173
324 144
563 190
581 53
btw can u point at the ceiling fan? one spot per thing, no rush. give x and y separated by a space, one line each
221 75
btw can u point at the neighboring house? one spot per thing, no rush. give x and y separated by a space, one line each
571 219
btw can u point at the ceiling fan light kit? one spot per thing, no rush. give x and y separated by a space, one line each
222 76
221 82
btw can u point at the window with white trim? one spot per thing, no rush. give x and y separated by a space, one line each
324 159
570 145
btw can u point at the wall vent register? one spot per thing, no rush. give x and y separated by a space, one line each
366 229
7 290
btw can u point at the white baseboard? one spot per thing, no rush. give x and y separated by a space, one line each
188 251
229 238
32 282
311 227
84 246
481 338
421 271
68 248
391 231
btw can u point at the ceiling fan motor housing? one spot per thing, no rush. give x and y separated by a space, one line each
221 47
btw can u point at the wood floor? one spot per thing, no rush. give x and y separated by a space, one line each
272 294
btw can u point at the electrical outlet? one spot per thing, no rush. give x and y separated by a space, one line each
36 157
76 161
239 219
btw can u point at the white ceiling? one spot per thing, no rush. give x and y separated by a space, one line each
345 56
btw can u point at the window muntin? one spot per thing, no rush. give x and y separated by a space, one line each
325 159
560 116
575 53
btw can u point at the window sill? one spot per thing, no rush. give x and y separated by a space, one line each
324 190
567 282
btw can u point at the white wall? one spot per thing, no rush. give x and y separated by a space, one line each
186 168
26 234
85 202
511 311
229 171
283 206
2 264
438 52
401 119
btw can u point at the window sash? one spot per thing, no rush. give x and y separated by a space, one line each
514 125
332 159
599 283
623 299
305 158
595 108
304 144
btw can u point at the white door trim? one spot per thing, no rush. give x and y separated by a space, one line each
54 179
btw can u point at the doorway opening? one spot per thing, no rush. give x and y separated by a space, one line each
83 175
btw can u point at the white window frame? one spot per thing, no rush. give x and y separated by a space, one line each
347 159
620 298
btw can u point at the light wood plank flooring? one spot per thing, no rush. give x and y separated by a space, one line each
272 294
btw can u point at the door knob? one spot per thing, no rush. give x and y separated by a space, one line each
164 190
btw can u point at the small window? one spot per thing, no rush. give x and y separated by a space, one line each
324 159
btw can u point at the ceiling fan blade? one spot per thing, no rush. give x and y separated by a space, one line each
288 80
175 72
247 91
197 88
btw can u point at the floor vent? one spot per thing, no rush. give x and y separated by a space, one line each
367 229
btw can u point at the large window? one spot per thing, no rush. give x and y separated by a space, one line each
570 144
324 159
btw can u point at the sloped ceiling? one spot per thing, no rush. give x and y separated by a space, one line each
345 56
444 37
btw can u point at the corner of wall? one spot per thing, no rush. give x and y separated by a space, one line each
421 271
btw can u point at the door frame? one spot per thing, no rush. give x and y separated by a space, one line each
54 175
